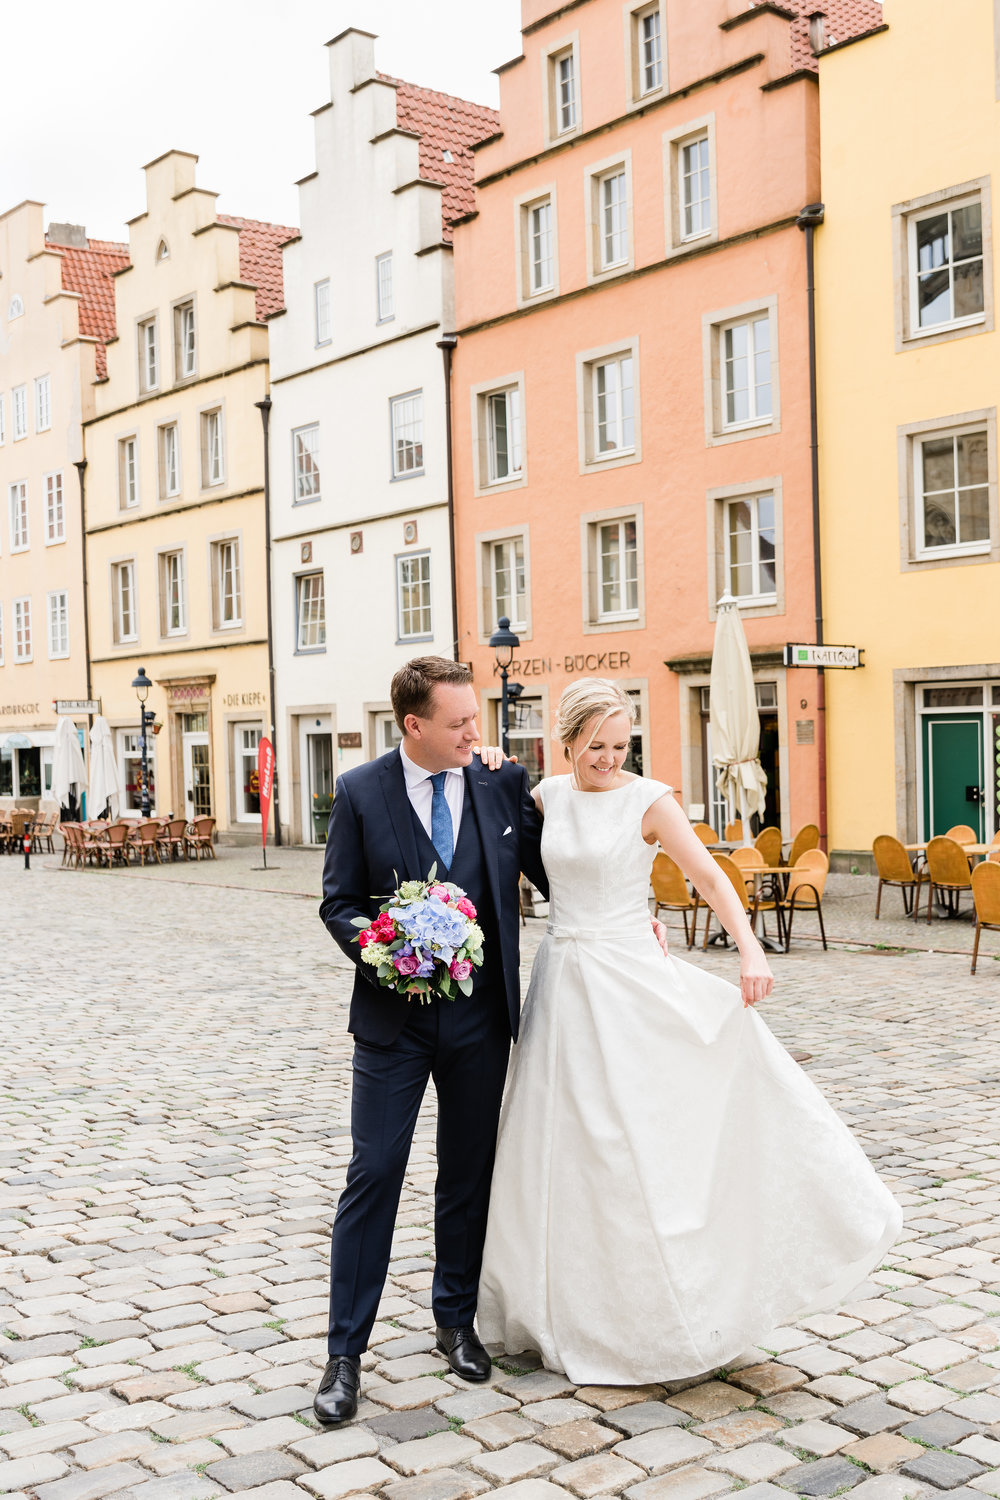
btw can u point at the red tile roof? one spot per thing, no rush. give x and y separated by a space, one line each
844 19
89 271
445 123
260 260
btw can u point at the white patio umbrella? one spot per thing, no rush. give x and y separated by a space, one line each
69 770
734 717
105 778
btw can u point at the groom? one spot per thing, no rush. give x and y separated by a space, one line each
432 801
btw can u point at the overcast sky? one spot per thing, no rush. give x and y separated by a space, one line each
92 91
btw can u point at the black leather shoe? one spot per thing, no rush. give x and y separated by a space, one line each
465 1353
337 1398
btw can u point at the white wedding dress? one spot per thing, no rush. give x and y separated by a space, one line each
669 1184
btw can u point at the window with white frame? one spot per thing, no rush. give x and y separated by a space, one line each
613 410
564 104
611 218
750 548
55 514
407 415
22 629
19 406
384 295
539 234
3 419
946 265
169 460
211 447
321 308
650 49
617 569
507 583
695 188
310 600
19 540
149 359
413 596
184 341
952 488
247 744
227 589
173 597
58 603
746 372
43 403
305 456
124 615
128 472
502 413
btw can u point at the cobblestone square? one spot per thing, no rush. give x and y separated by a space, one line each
174 1096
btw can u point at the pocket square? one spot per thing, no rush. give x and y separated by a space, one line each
507 830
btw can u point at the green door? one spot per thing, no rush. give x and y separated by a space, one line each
954 786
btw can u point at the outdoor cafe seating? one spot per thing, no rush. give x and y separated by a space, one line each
986 897
126 841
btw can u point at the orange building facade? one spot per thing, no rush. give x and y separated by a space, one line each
631 392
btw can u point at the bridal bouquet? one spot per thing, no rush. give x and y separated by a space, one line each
424 941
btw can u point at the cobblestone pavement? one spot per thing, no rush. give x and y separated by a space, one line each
173 1096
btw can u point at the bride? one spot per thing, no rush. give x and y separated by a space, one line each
669 1185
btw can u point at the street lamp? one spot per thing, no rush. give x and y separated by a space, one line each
142 686
504 643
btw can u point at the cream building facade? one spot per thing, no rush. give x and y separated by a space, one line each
175 528
56 310
908 360
359 452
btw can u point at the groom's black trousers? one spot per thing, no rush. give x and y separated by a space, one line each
464 1046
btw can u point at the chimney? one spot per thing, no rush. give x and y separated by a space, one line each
67 234
817 31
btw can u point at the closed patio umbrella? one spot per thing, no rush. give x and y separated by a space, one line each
69 770
105 778
734 717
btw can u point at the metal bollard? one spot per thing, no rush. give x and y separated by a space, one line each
27 851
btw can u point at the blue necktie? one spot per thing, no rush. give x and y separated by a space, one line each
442 828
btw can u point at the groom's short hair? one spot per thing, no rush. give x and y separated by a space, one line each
412 689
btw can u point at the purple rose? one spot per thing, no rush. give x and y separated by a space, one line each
406 963
461 968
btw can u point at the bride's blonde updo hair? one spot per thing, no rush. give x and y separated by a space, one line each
584 700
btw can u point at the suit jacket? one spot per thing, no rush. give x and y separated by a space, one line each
371 847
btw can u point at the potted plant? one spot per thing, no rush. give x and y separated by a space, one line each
322 803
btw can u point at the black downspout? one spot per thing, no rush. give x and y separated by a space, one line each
808 221
447 347
264 407
80 466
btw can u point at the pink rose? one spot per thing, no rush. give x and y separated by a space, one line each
385 927
406 963
368 936
440 891
466 907
460 969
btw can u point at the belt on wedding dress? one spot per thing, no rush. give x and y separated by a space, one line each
596 934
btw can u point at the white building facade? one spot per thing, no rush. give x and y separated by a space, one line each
361 537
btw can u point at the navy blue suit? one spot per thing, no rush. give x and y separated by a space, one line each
375 841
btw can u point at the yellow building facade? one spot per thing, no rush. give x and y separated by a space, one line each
56 308
175 526
908 361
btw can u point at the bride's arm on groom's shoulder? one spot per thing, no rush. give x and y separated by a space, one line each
665 821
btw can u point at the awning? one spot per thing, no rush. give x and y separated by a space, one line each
38 739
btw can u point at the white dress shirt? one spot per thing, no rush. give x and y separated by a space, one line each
421 792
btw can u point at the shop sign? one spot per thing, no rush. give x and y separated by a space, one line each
824 656
77 705
351 740
8 710
244 700
543 666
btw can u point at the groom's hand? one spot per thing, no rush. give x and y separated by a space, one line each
492 756
660 933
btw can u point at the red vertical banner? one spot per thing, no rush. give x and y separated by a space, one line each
265 777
